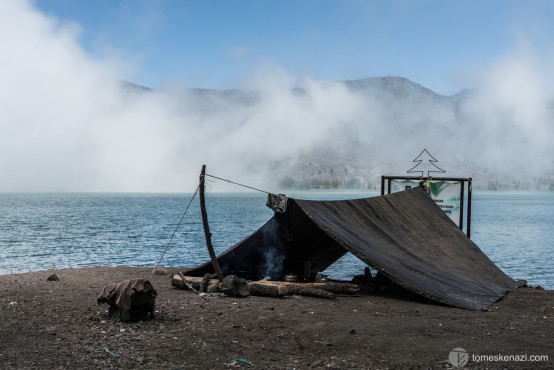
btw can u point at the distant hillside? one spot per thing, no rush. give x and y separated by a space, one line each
396 119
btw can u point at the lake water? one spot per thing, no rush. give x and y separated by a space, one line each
68 230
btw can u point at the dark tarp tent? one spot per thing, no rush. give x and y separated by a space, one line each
404 235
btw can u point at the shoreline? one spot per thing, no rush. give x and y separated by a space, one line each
52 324
530 283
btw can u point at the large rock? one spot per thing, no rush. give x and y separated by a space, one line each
233 286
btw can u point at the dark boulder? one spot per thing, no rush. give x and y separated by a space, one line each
233 286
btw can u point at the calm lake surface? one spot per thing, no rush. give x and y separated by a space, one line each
515 229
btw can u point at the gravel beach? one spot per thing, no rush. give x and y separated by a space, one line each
58 324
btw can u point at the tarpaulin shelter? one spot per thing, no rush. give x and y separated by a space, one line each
405 236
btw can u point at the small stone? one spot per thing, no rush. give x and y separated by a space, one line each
53 277
160 271
353 331
521 283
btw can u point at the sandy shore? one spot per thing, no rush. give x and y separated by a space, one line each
58 324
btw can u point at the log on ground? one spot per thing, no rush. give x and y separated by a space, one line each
289 289
266 290
276 289
337 287
310 292
188 282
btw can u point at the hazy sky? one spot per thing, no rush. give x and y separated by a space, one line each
218 44
66 123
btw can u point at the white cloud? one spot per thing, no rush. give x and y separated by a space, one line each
66 123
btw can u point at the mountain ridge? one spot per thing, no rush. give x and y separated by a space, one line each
398 119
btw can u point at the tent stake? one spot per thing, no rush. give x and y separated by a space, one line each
207 232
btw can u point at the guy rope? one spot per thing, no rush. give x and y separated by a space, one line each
200 189
174 232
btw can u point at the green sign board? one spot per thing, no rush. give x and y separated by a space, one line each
445 193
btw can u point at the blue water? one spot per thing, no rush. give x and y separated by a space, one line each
516 230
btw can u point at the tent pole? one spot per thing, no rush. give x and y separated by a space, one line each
207 232
469 188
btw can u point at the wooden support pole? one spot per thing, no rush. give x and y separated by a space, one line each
207 232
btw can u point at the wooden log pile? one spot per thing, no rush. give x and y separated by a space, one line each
276 289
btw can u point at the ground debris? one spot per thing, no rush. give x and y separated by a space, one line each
65 328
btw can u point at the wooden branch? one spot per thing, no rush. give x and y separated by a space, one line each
207 232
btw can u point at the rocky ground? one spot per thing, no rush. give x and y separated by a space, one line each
58 324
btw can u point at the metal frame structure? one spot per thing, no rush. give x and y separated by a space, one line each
469 180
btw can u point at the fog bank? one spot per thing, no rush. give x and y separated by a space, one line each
67 122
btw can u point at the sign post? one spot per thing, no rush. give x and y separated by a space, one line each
447 192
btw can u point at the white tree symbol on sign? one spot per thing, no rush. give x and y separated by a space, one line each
428 165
